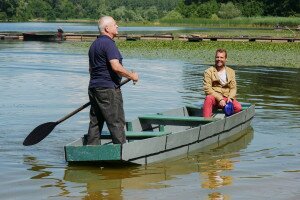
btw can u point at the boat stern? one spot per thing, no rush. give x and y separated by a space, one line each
77 152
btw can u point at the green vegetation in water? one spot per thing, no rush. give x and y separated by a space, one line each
239 53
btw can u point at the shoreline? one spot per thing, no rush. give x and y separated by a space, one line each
241 22
190 37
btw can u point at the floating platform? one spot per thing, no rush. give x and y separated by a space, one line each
189 38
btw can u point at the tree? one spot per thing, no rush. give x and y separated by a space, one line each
182 9
172 15
151 13
119 13
207 9
8 7
252 8
228 11
281 7
3 16
22 11
65 9
102 8
39 9
132 15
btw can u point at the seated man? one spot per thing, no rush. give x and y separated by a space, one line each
219 85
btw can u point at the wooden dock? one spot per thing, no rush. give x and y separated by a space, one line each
189 38
192 38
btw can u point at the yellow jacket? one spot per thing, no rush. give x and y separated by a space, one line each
212 84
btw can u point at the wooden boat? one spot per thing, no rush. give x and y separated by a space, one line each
156 137
49 37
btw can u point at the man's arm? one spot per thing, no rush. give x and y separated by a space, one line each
120 70
232 86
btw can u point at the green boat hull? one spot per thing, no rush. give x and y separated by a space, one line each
153 138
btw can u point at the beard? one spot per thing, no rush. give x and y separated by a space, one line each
220 63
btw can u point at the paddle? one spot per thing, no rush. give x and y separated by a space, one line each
43 130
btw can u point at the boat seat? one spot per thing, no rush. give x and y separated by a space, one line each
195 110
145 134
199 106
138 134
175 120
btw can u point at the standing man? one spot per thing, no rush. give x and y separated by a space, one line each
106 71
219 85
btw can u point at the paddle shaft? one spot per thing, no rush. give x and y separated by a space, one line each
85 105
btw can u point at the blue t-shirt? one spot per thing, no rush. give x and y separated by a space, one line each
101 52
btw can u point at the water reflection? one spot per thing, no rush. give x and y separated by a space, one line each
212 178
45 172
218 196
101 181
215 165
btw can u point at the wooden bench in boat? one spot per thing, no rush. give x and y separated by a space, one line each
199 106
196 110
138 134
145 134
175 120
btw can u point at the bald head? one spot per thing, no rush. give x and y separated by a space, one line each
105 22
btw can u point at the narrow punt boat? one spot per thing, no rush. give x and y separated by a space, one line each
156 137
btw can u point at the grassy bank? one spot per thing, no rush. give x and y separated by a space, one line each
236 22
239 53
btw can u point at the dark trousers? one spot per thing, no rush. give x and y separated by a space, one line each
106 106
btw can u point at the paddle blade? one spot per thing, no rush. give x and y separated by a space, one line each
39 133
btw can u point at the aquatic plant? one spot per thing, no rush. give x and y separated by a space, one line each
239 53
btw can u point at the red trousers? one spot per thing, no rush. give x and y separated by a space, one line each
211 103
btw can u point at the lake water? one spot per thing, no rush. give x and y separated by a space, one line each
92 27
41 82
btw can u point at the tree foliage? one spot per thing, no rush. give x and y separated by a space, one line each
228 11
207 9
251 8
173 15
143 10
127 10
247 8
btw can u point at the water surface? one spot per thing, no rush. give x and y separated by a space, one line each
92 27
41 82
